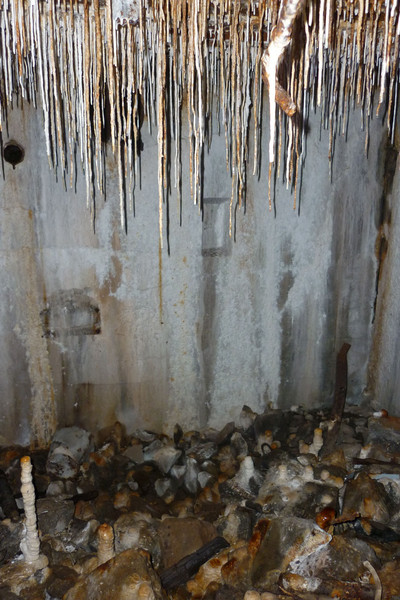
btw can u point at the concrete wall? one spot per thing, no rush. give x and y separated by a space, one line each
384 369
97 327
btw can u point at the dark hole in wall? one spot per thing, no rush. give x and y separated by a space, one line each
13 153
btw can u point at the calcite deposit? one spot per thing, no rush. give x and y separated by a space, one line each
256 511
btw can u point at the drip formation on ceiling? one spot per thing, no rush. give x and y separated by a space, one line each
97 65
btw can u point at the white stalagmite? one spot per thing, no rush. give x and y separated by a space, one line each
318 441
30 544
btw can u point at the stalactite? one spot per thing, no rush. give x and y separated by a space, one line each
161 137
90 65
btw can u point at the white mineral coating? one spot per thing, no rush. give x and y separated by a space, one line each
246 417
287 539
137 530
126 10
239 445
20 575
246 471
264 441
343 558
308 473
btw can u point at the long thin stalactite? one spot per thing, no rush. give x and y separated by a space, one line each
98 66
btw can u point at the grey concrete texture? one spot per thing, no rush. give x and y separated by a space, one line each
96 327
383 387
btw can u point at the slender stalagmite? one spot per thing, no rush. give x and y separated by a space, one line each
105 538
30 544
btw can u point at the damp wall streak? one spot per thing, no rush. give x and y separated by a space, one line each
274 305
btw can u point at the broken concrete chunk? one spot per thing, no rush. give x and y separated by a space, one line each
54 515
239 445
134 453
165 488
78 535
191 476
10 538
56 488
61 579
237 524
180 537
127 575
285 540
205 479
137 530
163 456
341 560
202 451
366 497
69 448
21 576
389 576
384 432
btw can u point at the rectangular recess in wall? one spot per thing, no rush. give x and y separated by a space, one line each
215 239
70 312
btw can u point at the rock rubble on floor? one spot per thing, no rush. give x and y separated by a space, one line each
256 511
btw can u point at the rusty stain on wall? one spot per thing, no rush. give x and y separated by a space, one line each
29 329
382 368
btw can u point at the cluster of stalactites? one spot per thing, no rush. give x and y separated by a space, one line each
96 68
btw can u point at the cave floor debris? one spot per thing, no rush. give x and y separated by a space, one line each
257 510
